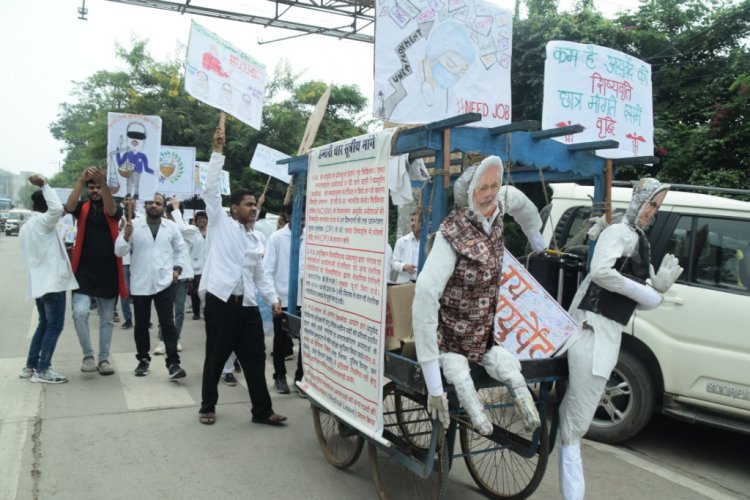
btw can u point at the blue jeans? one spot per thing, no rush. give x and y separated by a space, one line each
127 313
180 295
81 309
51 308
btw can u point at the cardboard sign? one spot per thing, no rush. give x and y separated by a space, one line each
528 321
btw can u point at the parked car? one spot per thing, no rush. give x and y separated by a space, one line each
690 357
16 218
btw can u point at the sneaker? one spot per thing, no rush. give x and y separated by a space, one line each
115 317
88 364
26 372
280 385
49 376
237 367
176 372
127 324
105 368
160 349
229 379
196 316
179 347
142 368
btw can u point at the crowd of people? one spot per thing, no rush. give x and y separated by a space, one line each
156 258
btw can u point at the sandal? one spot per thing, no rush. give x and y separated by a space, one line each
207 418
273 419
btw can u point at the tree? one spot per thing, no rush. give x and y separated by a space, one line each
153 88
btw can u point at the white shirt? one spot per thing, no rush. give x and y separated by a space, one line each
47 265
406 252
276 260
235 255
152 260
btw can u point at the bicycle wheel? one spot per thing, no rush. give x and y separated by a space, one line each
413 420
510 465
340 444
393 480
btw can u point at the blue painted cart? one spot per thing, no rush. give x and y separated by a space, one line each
511 462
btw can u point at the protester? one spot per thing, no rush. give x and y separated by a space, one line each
49 277
232 271
456 295
198 246
125 303
157 250
406 253
276 260
97 270
603 305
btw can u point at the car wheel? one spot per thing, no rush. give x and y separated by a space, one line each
627 403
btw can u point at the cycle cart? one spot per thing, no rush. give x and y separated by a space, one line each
412 456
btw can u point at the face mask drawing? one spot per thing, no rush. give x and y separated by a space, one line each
448 56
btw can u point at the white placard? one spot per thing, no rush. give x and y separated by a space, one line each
264 160
344 305
434 60
176 171
201 171
528 321
133 146
219 74
607 91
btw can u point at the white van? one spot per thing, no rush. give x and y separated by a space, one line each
16 218
690 357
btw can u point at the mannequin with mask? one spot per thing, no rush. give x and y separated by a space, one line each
602 306
456 295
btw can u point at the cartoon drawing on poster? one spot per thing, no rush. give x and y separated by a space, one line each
438 59
133 146
175 172
219 74
607 91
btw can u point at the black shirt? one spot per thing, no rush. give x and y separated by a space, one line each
97 267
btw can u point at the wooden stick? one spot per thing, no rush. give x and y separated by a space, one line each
222 120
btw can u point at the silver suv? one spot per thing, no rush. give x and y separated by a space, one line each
690 357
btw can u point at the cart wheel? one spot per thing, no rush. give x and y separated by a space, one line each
393 480
413 420
340 444
502 471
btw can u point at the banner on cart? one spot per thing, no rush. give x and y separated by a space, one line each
344 297
528 321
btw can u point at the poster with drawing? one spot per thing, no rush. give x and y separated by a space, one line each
224 77
176 176
434 60
528 321
133 146
607 91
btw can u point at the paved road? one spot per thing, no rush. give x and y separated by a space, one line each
126 437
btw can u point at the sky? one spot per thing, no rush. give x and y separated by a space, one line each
46 48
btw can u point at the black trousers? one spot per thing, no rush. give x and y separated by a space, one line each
195 299
233 327
282 345
164 304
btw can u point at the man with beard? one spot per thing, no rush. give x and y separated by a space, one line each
98 271
156 250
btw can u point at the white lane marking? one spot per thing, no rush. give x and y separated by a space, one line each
20 403
653 468
154 390
33 322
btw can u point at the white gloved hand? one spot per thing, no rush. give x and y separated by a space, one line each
438 408
669 271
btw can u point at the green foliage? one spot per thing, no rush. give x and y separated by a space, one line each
157 88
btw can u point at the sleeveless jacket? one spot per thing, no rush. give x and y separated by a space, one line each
467 306
612 305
